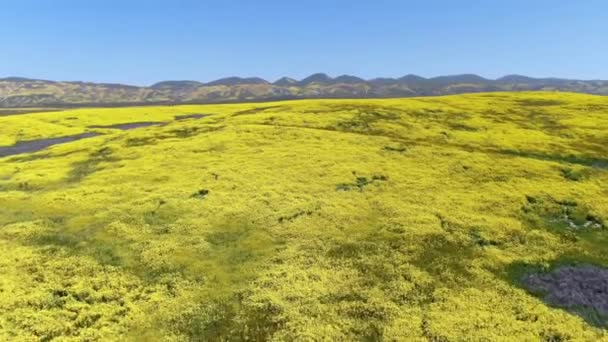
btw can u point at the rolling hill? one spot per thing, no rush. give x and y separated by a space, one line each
466 217
20 92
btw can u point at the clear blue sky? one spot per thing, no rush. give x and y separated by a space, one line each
141 42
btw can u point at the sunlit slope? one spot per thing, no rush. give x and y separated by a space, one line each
304 220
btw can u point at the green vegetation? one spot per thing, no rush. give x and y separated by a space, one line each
396 219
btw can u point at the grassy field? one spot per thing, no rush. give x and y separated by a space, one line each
400 219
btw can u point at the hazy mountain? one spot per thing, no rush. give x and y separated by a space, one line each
413 79
24 92
175 84
347 79
22 79
516 79
315 78
456 79
382 81
231 81
285 82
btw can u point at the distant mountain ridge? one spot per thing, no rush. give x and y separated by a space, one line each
23 92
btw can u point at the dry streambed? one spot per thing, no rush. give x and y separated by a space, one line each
40 144
130 125
581 289
31 146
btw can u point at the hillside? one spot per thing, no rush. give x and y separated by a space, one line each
437 218
21 92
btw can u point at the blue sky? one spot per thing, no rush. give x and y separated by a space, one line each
141 42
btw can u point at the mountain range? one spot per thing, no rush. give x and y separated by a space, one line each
17 92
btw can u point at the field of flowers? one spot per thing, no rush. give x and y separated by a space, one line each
393 219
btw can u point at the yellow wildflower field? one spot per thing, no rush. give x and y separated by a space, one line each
336 220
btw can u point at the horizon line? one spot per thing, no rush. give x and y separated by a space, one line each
320 74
